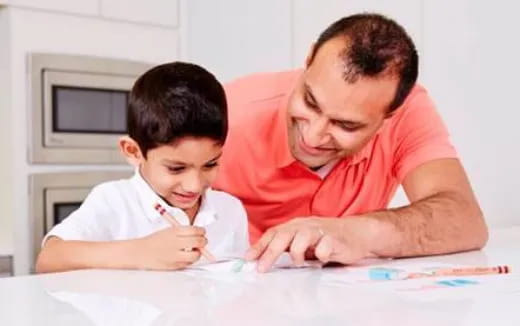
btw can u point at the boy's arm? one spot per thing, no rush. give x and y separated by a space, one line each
59 255
168 249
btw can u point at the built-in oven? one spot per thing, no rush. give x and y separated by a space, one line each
53 196
78 107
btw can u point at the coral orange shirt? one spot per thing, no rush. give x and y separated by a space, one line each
257 165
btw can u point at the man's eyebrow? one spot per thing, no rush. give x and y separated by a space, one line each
349 123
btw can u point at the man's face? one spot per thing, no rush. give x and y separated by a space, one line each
329 118
182 171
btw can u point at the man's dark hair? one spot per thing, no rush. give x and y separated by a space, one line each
375 46
175 100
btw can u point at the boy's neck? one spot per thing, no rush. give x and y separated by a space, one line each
192 211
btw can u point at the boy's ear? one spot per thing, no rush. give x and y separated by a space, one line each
131 151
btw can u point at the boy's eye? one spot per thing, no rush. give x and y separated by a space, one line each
176 169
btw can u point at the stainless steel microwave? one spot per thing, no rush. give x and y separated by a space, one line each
78 107
53 196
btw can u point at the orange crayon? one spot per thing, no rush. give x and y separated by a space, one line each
462 271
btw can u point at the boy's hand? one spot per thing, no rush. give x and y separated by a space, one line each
170 249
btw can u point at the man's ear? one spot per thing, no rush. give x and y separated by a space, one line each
131 151
309 57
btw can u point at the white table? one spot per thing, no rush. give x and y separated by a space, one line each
287 297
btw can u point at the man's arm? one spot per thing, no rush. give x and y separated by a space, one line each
443 217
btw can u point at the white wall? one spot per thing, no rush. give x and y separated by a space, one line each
235 37
471 67
66 29
467 49
6 194
310 18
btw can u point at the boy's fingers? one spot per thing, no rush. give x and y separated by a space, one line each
189 256
188 230
186 242
199 242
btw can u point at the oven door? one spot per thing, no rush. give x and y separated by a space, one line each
84 110
77 107
59 203
53 196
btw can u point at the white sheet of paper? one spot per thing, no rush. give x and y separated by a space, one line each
239 265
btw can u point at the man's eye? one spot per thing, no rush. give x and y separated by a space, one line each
309 103
211 165
348 128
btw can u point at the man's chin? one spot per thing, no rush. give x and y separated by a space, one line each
314 162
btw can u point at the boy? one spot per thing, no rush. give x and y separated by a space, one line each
177 125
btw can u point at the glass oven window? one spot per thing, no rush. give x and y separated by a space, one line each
88 110
62 210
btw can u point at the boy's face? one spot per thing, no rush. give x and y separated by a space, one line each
180 172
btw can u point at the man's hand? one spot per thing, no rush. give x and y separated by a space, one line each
342 240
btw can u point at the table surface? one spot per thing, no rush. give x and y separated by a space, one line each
282 297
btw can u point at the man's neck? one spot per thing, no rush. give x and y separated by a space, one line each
316 168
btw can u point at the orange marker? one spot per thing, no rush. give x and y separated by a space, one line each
462 271
174 222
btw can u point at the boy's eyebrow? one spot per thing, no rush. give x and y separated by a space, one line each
185 163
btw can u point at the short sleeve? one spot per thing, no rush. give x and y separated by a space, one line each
420 135
88 222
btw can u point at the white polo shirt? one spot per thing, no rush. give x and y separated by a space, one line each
124 209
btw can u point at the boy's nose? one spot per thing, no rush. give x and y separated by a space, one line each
193 183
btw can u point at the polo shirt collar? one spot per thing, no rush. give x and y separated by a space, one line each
148 198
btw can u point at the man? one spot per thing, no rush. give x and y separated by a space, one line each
316 155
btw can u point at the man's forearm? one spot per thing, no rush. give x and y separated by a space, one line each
439 224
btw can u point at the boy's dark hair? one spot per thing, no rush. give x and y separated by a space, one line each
375 46
175 100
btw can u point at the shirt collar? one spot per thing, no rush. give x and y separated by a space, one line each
363 154
148 198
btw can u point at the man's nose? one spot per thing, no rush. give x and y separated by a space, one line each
317 133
